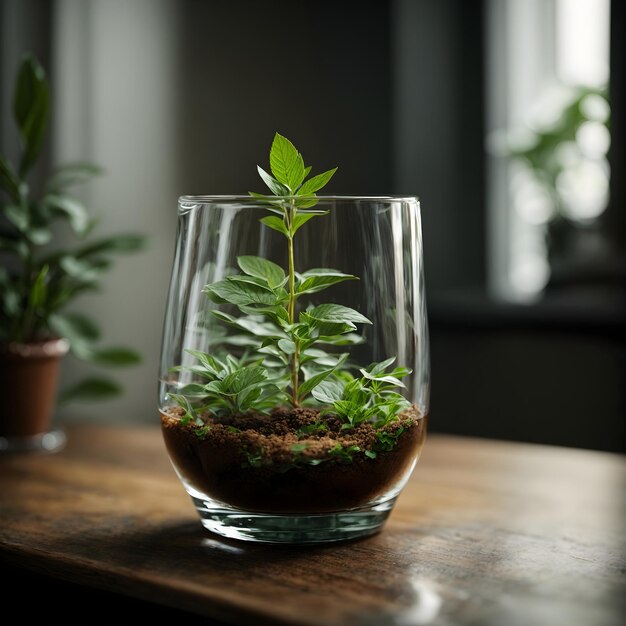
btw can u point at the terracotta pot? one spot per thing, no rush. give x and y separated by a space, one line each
29 375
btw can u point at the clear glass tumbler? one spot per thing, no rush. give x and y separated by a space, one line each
294 376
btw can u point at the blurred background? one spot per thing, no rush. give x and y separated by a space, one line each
506 118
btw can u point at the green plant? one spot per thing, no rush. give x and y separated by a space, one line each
38 281
288 358
545 156
234 386
369 398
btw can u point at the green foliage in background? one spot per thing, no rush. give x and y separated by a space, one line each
37 279
542 155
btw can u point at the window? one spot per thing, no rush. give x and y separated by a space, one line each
548 135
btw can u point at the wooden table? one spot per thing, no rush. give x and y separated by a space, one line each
485 533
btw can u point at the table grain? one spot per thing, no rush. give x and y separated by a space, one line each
486 532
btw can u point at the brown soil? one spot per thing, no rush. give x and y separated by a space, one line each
281 463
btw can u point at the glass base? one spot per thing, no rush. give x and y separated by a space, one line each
50 441
293 528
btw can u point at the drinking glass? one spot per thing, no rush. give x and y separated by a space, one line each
260 498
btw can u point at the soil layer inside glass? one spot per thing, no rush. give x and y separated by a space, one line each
294 460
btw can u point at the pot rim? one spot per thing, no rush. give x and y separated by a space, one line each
48 348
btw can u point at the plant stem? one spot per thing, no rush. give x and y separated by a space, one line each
291 311
29 268
22 326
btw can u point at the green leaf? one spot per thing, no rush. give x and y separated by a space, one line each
305 202
210 363
262 268
31 109
379 368
117 357
276 223
260 329
313 211
241 379
275 187
328 391
382 378
317 279
81 269
39 291
274 204
116 244
316 183
39 235
13 245
71 174
298 175
286 162
300 220
309 384
336 313
70 208
326 330
182 401
347 339
9 180
12 303
76 325
251 324
239 293
194 389
251 280
307 170
17 216
287 346
401 372
91 389
65 289
277 313
320 358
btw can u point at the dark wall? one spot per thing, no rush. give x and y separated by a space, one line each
439 132
561 387
316 71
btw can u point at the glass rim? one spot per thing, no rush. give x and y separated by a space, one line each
206 199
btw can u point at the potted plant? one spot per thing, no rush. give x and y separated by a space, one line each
39 279
288 415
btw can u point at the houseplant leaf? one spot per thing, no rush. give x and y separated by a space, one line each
286 163
9 181
31 108
91 389
262 268
71 174
71 209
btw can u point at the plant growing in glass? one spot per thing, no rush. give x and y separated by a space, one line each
294 378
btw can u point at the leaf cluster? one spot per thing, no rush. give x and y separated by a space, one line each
259 294
292 352
228 386
369 398
290 180
37 282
